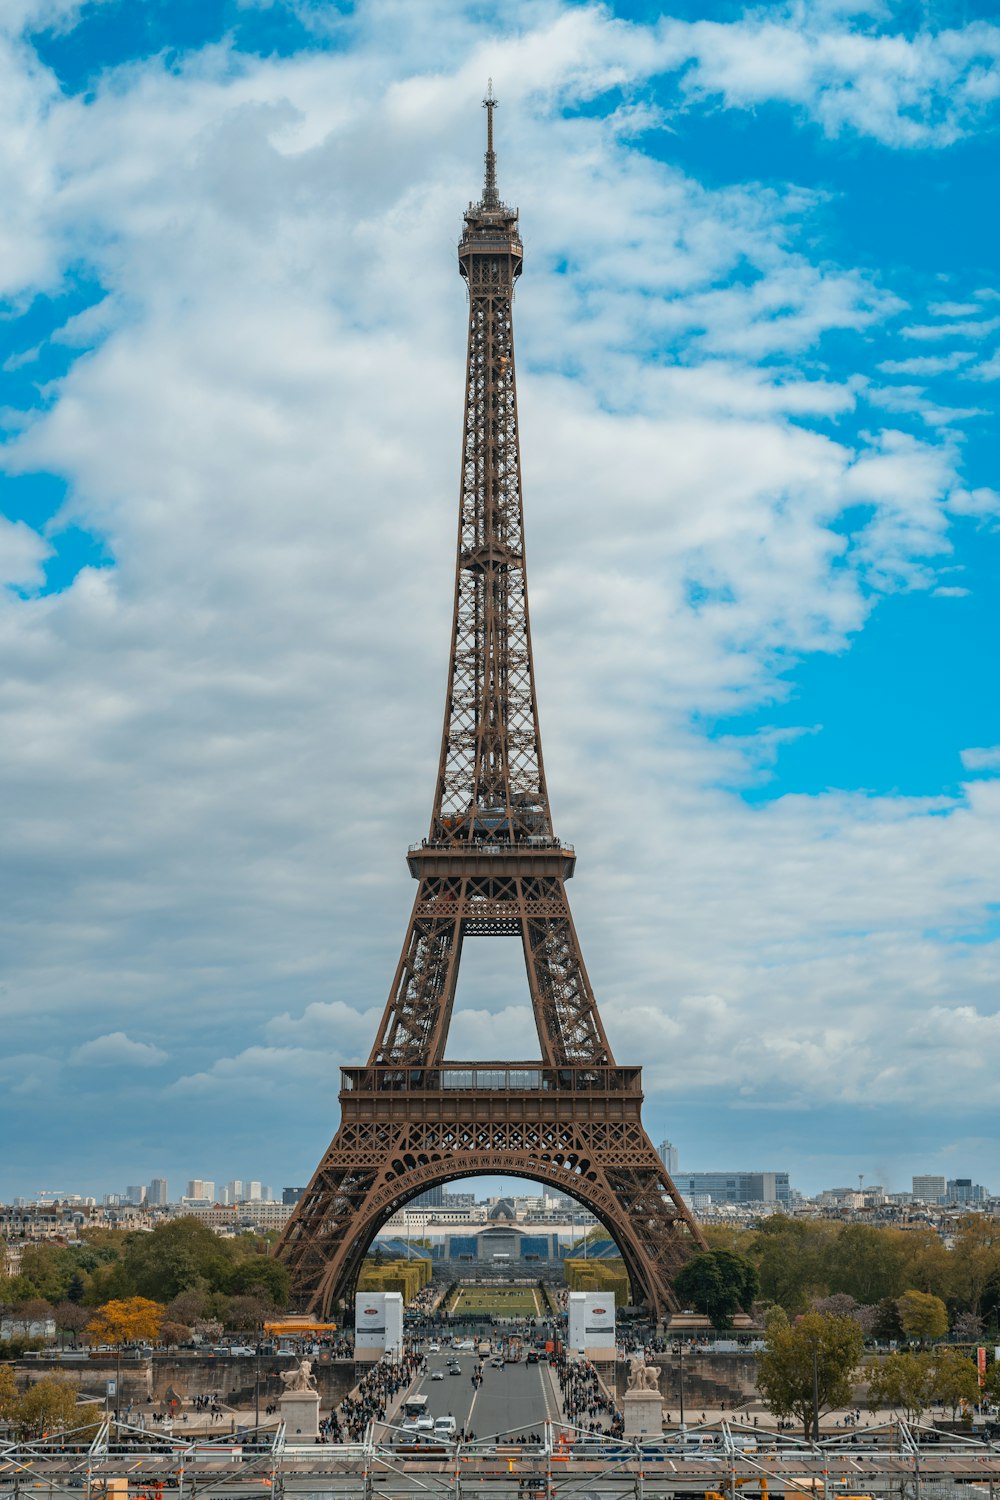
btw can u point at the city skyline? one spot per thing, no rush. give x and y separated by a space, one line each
757 370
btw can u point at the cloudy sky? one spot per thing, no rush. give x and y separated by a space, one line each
758 337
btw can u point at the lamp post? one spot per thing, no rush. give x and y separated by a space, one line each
256 1391
815 1375
679 1349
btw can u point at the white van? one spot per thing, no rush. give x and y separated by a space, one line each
445 1427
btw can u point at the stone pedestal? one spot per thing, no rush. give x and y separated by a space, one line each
300 1412
643 1413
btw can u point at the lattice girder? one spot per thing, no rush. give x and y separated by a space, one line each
608 1164
491 866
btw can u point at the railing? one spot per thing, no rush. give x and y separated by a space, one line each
510 1078
473 846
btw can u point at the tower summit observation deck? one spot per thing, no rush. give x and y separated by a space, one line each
490 866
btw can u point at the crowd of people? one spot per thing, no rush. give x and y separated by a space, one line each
584 1400
348 1422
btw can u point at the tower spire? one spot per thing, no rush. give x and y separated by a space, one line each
490 196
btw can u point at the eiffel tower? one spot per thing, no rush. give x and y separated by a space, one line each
490 866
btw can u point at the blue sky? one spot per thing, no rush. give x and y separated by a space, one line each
758 338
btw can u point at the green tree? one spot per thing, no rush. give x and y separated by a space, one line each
887 1327
52 1404
975 1259
955 1378
923 1316
263 1277
775 1317
77 1288
866 1263
815 1351
49 1268
177 1255
929 1265
791 1255
902 1381
717 1283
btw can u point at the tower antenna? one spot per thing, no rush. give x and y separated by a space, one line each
490 196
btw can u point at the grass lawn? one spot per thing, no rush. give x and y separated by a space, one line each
497 1301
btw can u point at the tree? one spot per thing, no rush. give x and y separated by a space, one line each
52 1404
77 1288
887 1327
955 1378
975 1258
923 1316
30 1310
131 1321
177 1255
262 1277
717 1283
967 1327
867 1263
790 1258
49 1268
71 1318
842 1305
172 1333
830 1347
775 1317
9 1393
248 1314
903 1381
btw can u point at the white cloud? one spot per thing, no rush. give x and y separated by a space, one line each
969 328
926 364
118 1050
213 751
985 758
22 555
929 89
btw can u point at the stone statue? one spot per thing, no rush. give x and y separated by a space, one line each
643 1377
299 1379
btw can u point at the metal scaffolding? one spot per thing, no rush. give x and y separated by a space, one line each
554 1461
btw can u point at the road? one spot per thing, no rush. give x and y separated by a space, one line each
512 1400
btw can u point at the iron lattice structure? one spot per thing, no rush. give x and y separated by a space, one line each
490 865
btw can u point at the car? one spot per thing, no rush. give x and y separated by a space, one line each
437 1375
532 1358
433 1348
454 1369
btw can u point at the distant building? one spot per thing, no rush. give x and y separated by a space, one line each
290 1196
733 1187
156 1193
928 1189
432 1198
670 1157
136 1194
253 1192
964 1190
200 1188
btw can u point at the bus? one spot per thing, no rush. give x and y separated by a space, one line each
415 1406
